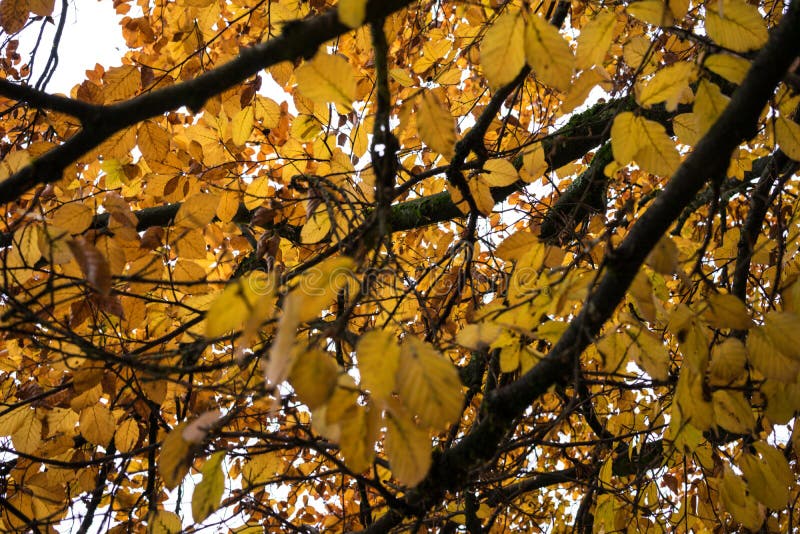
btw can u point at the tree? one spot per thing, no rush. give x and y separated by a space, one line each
441 285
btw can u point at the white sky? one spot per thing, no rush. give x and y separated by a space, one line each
91 35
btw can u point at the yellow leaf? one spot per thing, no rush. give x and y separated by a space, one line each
534 163
548 54
709 103
437 128
13 15
499 173
736 25
238 302
259 469
613 350
768 477
208 492
127 436
653 12
97 424
644 141
595 39
153 141
197 211
768 359
668 85
120 83
478 336
267 111
73 217
257 191
649 353
480 190
317 227
164 522
408 449
783 401
691 401
728 361
738 502
502 49
359 433
228 206
787 134
664 256
582 86
318 286
516 245
328 78
242 126
352 12
378 360
727 311
686 128
27 434
313 377
175 457
732 412
732 68
428 384
783 329
679 8
26 240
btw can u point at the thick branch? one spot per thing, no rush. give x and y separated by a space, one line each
42 100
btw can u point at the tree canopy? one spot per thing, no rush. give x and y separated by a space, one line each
403 265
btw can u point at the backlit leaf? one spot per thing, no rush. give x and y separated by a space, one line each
92 263
197 210
352 12
732 412
378 360
428 384
242 126
655 12
408 449
313 377
548 54
732 68
668 85
736 25
595 39
502 49
328 78
768 477
97 424
727 311
175 457
499 173
436 125
645 142
787 134
208 492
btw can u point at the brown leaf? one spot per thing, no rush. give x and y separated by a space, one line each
92 263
